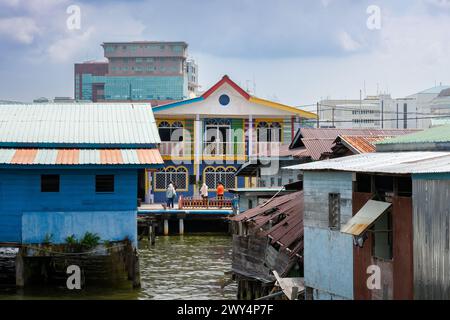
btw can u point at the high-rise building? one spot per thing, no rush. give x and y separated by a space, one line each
192 74
89 80
137 71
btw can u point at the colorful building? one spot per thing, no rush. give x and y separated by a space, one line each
67 169
206 139
138 71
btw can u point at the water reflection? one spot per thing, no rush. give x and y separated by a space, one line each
187 267
177 267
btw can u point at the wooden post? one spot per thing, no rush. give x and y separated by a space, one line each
153 239
20 269
136 270
150 234
166 227
181 222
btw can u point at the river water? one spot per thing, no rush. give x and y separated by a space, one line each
177 267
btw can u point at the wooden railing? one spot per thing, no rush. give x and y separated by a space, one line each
199 203
176 148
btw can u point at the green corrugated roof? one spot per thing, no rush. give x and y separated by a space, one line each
432 135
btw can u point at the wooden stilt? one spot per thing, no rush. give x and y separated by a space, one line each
166 227
181 222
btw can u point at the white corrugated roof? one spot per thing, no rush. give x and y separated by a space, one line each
78 123
385 162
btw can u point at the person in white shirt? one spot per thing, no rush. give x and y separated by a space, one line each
204 194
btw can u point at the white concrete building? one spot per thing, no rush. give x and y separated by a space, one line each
415 111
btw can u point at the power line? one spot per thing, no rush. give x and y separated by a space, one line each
393 119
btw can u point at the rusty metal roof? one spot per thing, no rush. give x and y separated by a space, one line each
384 162
318 141
332 133
10 156
365 217
282 220
316 147
361 144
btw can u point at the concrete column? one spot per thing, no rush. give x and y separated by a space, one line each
181 221
166 227
197 150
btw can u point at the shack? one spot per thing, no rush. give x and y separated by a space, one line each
268 238
383 215
67 170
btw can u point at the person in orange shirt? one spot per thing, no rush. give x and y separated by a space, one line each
220 192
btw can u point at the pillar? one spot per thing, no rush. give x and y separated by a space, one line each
197 150
250 135
150 235
181 222
166 227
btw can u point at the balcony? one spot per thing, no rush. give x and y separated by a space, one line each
266 149
176 148
223 149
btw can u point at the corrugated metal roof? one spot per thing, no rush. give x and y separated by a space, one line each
367 215
332 133
316 147
362 144
78 123
432 135
288 232
80 156
385 162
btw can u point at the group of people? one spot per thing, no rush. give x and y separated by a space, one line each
171 193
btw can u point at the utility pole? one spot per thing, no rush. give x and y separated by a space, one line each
317 114
382 113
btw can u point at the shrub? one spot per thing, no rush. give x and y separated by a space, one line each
90 240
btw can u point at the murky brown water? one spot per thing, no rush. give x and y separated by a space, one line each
177 267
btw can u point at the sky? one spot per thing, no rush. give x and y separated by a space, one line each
292 51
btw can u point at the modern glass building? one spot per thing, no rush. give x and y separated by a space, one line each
136 71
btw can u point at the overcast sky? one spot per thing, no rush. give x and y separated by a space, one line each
296 52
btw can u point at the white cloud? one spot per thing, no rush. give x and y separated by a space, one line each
347 42
66 49
19 29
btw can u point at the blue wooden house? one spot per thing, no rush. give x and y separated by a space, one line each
67 169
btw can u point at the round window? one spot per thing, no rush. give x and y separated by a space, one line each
224 100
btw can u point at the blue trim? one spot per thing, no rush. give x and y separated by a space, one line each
431 176
79 166
176 104
170 211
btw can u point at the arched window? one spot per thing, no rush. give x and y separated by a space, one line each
177 131
269 131
164 131
171 132
178 176
275 132
212 177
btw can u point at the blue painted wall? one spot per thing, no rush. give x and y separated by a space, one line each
328 253
20 193
110 225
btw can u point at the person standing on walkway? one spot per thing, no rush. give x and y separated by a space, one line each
204 194
170 195
220 193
